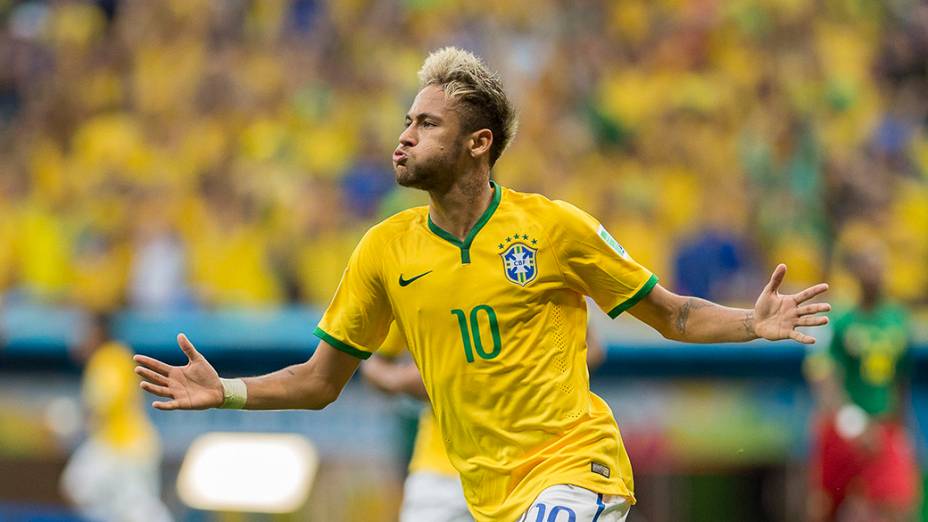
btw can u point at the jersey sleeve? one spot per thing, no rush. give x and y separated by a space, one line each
596 265
359 316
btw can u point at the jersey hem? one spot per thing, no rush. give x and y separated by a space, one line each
435 470
339 345
633 300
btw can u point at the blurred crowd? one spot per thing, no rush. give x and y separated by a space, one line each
189 153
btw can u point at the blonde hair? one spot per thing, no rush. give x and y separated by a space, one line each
478 91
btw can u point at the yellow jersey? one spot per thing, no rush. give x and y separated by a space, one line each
111 393
428 453
496 324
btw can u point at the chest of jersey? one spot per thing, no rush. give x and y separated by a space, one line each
874 350
478 309
507 270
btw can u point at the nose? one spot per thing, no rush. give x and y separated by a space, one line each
408 137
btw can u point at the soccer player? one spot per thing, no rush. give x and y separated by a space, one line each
114 474
487 285
432 490
863 459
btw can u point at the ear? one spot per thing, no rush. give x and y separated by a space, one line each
480 142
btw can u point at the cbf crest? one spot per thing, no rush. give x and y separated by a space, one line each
519 259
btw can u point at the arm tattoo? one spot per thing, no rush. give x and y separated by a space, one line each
683 314
748 322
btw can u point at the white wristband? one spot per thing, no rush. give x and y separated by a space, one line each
234 394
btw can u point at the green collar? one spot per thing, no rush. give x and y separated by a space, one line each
465 245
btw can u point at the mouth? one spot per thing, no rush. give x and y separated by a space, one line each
399 157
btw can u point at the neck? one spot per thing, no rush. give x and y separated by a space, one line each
457 208
869 302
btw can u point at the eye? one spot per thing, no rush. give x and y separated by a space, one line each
427 123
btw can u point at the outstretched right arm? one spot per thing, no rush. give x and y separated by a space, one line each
196 386
359 316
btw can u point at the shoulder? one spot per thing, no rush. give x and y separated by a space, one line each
566 226
551 212
842 317
396 226
896 311
110 354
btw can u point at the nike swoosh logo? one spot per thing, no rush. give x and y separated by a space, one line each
404 282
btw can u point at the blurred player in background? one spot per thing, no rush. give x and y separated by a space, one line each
114 475
487 285
433 489
863 460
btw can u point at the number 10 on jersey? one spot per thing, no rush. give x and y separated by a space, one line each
473 332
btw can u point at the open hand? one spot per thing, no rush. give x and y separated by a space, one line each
776 316
194 386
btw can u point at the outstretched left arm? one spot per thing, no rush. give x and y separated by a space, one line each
774 317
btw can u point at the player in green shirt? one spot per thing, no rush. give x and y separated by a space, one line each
863 458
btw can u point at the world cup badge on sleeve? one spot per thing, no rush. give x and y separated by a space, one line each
519 263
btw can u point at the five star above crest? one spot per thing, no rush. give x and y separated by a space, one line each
517 237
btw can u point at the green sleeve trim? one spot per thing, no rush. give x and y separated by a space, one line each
338 345
633 300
